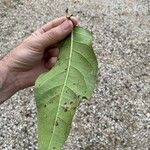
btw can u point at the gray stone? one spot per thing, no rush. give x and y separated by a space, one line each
118 115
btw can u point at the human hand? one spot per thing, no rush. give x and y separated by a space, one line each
36 54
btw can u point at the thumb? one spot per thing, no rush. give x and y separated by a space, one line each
56 34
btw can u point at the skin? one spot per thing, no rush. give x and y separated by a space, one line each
36 54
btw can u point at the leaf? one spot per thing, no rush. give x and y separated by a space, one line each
60 91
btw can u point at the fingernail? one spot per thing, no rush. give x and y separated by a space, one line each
53 60
66 25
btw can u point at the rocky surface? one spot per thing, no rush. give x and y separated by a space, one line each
118 115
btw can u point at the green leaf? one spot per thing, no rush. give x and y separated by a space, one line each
60 91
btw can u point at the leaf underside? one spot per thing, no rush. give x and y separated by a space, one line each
59 92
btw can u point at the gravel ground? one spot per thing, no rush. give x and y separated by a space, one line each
118 115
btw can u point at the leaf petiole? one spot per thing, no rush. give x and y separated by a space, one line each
69 16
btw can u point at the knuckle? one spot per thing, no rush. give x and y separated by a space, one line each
52 35
70 25
66 27
52 24
42 30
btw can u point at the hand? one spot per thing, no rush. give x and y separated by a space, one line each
36 54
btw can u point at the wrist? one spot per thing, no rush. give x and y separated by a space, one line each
8 82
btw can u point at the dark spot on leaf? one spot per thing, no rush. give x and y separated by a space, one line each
74 108
74 83
71 102
84 97
65 69
54 147
65 109
65 103
51 131
50 102
56 124
77 96
45 105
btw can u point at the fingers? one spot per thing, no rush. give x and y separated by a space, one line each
53 52
50 25
56 34
51 33
50 57
51 62
56 22
74 20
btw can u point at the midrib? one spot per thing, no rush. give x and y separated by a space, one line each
63 88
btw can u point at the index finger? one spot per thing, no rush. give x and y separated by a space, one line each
52 24
56 22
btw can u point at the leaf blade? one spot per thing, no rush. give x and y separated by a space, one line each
57 92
